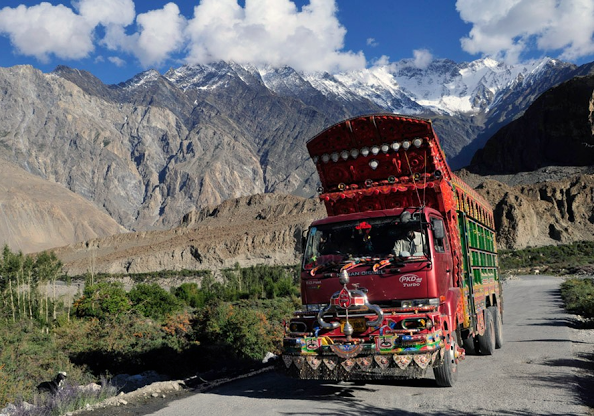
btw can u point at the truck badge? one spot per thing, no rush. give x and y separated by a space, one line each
410 280
344 299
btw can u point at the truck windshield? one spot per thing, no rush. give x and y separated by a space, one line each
371 238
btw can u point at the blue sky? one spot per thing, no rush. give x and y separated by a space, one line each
116 39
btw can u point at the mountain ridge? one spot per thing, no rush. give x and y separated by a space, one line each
152 149
37 215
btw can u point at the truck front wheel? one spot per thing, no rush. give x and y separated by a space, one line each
446 373
487 340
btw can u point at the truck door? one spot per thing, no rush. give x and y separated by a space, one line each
443 257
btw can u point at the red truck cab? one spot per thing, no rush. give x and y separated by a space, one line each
367 245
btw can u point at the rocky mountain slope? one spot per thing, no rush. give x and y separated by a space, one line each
553 205
156 147
267 228
557 129
259 229
36 214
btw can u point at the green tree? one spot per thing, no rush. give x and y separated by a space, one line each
49 267
102 300
190 294
239 329
152 301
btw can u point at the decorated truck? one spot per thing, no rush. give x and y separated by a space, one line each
402 274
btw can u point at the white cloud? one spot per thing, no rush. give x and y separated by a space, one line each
422 58
45 30
506 29
106 12
117 61
382 61
372 42
161 33
272 32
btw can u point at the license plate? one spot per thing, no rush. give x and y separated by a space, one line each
357 323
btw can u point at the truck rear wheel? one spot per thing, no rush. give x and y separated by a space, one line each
487 340
446 374
498 324
469 345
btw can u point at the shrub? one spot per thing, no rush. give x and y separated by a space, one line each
238 331
190 294
578 295
152 301
29 356
101 300
246 329
556 258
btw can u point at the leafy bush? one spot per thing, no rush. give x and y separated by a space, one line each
242 332
190 294
245 329
29 356
101 300
152 301
578 295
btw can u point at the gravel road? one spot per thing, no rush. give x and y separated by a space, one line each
544 368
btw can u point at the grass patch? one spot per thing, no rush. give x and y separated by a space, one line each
578 296
557 260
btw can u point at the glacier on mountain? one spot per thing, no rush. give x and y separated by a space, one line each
443 87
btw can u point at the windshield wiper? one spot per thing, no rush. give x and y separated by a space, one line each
352 264
344 265
382 263
323 267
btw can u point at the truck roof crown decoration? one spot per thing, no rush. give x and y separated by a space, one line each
407 157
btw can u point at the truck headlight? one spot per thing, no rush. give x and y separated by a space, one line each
297 326
314 307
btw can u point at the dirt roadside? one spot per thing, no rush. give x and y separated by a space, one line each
155 396
582 348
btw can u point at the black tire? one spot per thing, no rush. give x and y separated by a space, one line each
446 373
470 345
487 340
498 324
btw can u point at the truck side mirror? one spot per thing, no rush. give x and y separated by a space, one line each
303 240
438 231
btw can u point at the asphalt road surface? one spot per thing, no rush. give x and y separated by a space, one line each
533 374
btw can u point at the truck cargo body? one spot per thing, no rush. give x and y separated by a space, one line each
403 271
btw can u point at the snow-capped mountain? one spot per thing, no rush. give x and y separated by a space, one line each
469 101
151 149
443 87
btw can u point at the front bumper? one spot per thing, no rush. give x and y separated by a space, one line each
389 357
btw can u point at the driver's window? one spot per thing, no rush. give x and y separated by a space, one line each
315 239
